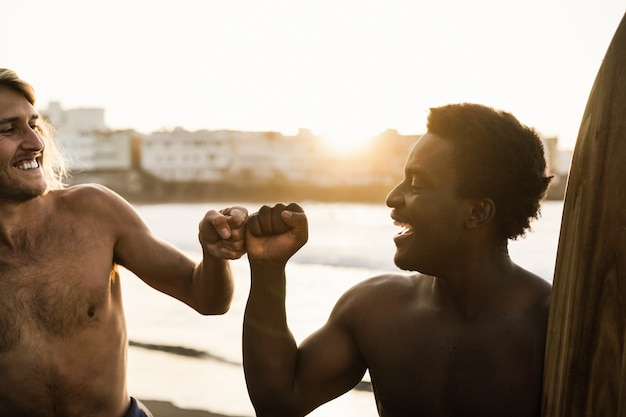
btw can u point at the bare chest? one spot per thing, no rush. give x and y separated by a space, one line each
53 285
428 366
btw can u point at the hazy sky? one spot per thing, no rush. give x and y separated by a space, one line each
328 65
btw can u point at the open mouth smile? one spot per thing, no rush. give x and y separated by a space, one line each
27 164
407 229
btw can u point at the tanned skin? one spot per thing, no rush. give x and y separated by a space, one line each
465 336
63 336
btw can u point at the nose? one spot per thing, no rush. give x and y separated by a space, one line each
33 141
394 198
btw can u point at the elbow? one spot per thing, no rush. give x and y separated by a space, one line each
275 402
219 311
273 411
213 302
215 309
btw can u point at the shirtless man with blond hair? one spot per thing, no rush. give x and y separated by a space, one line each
63 335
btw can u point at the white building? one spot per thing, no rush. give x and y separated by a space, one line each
265 157
97 151
179 155
86 142
76 120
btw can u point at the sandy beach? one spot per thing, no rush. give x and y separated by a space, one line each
167 409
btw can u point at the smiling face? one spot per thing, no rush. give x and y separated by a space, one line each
21 148
427 206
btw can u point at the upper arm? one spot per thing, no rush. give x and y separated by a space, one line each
330 362
136 248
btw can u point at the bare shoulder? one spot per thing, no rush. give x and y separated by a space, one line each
527 298
86 195
383 292
92 198
533 286
94 201
392 282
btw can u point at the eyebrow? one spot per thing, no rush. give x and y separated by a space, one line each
417 173
416 170
13 119
414 173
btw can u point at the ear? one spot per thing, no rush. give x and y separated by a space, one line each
482 211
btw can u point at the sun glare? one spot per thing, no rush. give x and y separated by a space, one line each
345 142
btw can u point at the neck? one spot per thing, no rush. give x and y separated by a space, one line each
16 218
473 286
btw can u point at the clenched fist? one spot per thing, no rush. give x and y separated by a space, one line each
275 233
222 232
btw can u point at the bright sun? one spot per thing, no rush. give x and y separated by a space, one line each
344 142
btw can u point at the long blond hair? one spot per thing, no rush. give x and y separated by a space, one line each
53 164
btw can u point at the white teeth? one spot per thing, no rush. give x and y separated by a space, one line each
407 229
28 164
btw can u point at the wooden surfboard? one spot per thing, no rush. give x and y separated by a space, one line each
585 360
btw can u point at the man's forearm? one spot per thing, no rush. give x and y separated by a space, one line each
213 286
269 348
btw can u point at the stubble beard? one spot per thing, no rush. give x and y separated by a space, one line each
22 194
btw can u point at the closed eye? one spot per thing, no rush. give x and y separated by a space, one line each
419 181
37 127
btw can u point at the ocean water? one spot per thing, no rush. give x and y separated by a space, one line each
194 361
